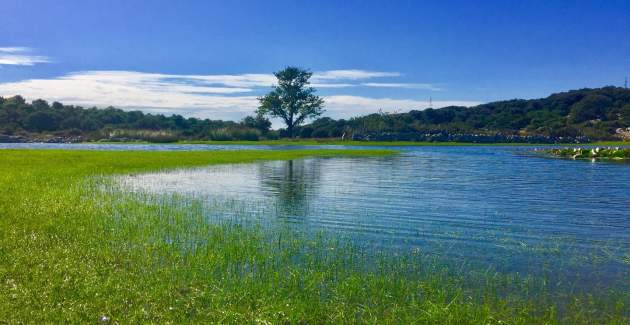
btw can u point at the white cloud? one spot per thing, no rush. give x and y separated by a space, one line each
20 56
243 80
14 49
343 106
323 79
125 89
156 82
205 96
351 75
403 85
332 85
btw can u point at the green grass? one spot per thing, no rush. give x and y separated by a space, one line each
75 249
611 143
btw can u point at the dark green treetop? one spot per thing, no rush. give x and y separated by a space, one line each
292 100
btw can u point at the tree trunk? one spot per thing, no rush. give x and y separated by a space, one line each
290 130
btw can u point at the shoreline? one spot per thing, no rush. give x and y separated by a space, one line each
348 143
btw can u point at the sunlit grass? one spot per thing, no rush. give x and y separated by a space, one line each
75 249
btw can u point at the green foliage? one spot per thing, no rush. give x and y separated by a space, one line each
40 121
292 99
225 134
257 122
18 117
591 107
595 113
624 116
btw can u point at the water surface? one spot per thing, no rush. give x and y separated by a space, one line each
496 206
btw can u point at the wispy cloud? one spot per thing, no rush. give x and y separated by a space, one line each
242 80
206 96
14 49
422 86
352 74
128 89
344 106
20 56
330 79
332 85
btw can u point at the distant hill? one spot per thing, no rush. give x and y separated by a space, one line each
577 115
596 114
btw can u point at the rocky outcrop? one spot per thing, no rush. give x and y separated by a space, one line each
11 138
4 138
444 136
623 133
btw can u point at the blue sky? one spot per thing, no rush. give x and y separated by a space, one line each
211 59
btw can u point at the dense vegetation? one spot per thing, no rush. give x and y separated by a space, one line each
74 249
593 113
40 118
579 115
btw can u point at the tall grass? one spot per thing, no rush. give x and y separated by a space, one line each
71 251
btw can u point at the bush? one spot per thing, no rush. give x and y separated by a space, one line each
306 132
246 134
143 135
321 133
41 121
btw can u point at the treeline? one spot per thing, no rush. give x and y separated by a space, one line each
18 118
596 114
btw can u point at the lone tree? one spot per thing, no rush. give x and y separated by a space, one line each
292 99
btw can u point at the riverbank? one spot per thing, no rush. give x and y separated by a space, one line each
327 142
298 142
72 251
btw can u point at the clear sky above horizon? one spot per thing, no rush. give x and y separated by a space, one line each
212 59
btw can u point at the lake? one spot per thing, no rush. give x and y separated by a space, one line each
500 207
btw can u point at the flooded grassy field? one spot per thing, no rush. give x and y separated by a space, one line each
431 234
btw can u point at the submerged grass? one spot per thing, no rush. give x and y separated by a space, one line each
73 252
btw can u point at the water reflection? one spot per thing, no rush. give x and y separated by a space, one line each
489 205
291 183
274 188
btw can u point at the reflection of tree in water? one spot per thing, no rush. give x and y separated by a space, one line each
291 183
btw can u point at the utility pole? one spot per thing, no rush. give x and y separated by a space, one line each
625 83
431 101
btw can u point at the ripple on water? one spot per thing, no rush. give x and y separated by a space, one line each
486 204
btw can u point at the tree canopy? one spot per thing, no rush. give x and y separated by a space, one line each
292 100
20 118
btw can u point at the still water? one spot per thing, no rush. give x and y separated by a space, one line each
499 206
